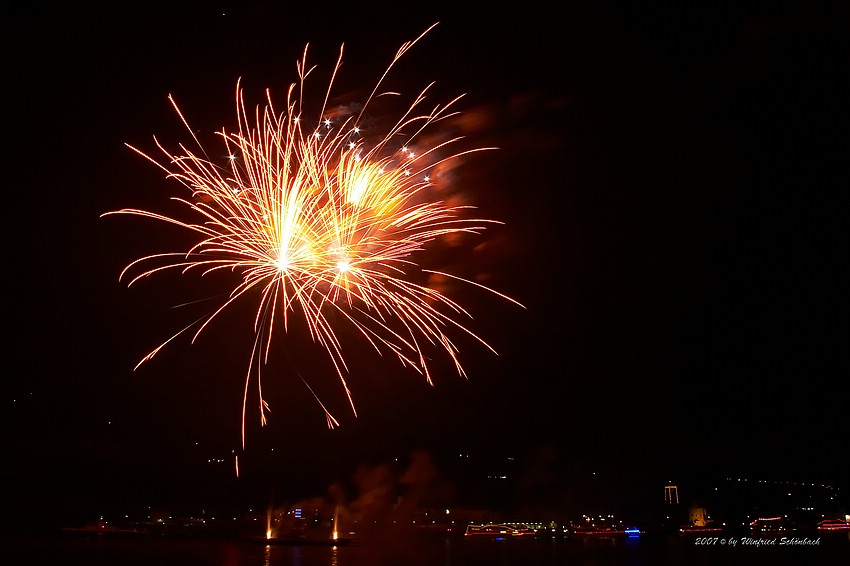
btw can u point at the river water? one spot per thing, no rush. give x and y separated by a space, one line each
420 550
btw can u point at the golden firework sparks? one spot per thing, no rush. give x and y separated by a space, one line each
316 221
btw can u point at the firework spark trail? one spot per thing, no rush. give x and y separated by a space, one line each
318 223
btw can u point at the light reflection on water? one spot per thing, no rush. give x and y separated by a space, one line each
410 551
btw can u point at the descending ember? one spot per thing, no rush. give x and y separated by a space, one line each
315 220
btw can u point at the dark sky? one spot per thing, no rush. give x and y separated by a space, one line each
669 184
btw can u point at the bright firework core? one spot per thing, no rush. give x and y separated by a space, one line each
315 221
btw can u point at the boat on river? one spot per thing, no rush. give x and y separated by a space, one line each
498 530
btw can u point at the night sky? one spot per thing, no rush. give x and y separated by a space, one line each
669 182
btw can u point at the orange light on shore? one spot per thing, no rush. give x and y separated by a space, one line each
335 532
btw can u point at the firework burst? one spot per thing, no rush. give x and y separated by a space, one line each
318 223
